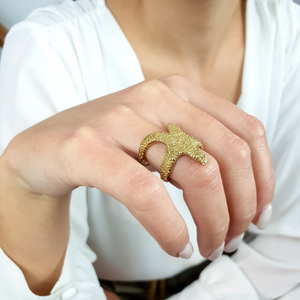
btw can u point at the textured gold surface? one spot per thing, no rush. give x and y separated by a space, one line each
178 144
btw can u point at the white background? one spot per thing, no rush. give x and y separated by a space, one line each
14 11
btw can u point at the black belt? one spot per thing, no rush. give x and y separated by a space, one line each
157 289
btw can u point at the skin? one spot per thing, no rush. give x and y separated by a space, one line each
200 40
82 145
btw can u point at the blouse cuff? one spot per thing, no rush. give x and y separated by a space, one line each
78 280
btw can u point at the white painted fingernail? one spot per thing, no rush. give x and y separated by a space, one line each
187 252
234 243
217 253
265 217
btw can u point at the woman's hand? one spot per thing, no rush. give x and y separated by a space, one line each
96 145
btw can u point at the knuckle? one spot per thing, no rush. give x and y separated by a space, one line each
179 84
76 147
153 86
211 173
84 132
256 127
73 152
117 110
238 151
195 175
80 138
242 151
81 144
176 79
144 190
107 125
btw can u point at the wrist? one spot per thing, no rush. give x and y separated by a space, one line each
13 179
34 230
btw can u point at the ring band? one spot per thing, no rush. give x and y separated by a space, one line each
178 144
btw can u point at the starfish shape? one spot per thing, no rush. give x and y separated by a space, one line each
178 144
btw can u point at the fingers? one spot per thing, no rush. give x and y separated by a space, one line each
229 150
123 178
245 126
240 197
223 190
204 194
202 186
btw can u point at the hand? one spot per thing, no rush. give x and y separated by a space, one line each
96 145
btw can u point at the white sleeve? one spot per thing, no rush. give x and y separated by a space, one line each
34 85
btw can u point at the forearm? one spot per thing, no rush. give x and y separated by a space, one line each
34 231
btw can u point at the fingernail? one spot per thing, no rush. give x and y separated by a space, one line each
217 253
187 252
233 244
265 217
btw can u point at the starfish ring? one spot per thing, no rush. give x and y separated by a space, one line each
178 144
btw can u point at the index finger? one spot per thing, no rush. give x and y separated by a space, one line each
117 174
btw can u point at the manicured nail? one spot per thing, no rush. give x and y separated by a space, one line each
234 243
265 217
217 253
187 252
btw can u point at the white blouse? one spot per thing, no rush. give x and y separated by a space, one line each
67 54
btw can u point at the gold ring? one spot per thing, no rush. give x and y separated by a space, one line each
178 144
